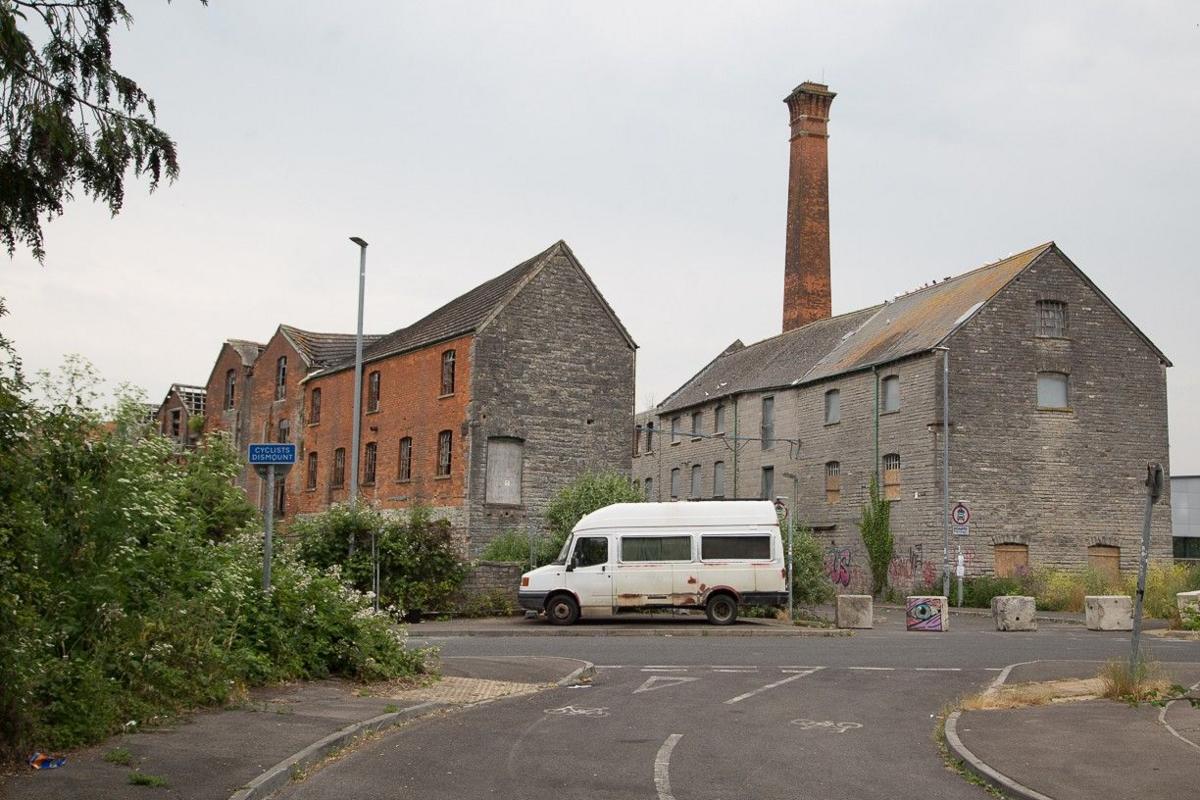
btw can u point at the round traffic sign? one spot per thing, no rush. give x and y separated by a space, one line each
960 514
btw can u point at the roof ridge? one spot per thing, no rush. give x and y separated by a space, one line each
989 265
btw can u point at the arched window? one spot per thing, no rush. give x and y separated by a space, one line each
338 478
404 469
445 438
230 387
314 412
373 391
448 372
281 378
311 477
833 407
369 464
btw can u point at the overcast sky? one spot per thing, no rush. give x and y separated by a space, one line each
462 138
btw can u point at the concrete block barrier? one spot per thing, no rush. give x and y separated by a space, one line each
1188 601
1014 613
927 613
855 611
1108 612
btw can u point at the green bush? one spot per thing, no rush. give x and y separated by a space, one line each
876 528
512 546
496 603
1163 582
130 582
587 493
810 586
418 565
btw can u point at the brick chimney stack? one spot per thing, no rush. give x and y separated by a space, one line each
806 295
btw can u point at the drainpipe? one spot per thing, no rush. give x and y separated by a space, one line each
875 375
945 469
735 447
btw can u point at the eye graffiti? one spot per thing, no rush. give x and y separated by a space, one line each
924 614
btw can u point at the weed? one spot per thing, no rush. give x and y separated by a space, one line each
1143 683
145 779
391 708
120 756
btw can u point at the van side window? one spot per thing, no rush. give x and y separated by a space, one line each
656 548
591 551
735 547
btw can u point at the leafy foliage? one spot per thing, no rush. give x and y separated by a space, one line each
418 566
810 586
876 528
587 493
67 116
130 578
512 545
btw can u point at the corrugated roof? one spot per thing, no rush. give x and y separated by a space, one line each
913 323
322 350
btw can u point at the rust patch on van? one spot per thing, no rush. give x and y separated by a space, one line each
691 579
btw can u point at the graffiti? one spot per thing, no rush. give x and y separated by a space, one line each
837 565
924 614
572 711
825 725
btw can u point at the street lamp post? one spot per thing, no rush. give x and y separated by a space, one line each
356 433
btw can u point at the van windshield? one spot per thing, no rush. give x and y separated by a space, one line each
562 554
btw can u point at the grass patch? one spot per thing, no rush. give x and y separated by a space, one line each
145 779
1023 695
391 708
119 756
1145 682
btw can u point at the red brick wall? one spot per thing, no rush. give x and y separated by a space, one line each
216 416
409 406
265 411
806 293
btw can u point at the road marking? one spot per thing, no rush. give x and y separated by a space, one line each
664 669
662 763
826 725
1162 717
761 689
1003 676
937 669
729 669
573 711
657 682
875 669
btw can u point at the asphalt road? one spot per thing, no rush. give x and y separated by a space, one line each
708 718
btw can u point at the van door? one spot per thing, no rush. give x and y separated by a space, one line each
646 568
591 578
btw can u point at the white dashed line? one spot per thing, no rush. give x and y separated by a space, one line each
875 669
761 689
664 669
937 669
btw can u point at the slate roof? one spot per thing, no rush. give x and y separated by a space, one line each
322 350
911 324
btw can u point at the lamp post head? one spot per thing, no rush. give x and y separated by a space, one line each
358 240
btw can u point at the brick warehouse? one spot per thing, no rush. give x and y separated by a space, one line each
482 410
1057 402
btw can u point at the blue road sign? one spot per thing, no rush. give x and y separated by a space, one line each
272 454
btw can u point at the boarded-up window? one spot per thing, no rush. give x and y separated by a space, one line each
891 393
1106 560
675 483
445 439
735 547
719 479
719 418
1052 318
696 490
768 423
674 430
1052 390
833 482
404 468
505 457
768 483
369 460
833 406
1012 560
891 476
656 548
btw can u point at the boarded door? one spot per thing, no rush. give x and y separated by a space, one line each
505 459
1011 560
1106 560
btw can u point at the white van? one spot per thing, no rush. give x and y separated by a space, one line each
636 556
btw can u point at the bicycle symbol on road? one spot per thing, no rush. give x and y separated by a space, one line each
825 725
572 711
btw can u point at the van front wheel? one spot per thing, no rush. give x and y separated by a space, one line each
721 610
562 610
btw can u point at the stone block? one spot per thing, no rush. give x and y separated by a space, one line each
855 611
1113 612
1014 613
927 613
1188 600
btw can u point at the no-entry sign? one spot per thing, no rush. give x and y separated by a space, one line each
960 514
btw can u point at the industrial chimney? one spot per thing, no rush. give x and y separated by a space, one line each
806 294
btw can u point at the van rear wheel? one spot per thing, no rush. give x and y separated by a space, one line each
562 610
721 609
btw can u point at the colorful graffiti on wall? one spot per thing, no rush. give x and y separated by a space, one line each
924 613
837 565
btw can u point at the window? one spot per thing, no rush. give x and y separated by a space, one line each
833 482
1052 390
833 407
735 547
649 437
656 548
505 460
719 479
637 440
697 422
280 499
1051 318
373 391
768 483
176 422
444 440
719 418
281 378
891 477
1012 560
891 393
230 387
404 469
674 430
695 492
310 480
314 415
649 488
338 478
675 483
590 551
768 423
369 464
448 372
284 431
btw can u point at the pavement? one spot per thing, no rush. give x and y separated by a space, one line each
217 754
1086 749
648 624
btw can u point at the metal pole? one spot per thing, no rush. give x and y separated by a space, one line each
945 471
1151 497
958 571
269 527
358 345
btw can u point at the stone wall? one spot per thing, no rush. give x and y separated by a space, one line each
490 578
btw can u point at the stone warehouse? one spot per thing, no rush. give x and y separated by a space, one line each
1056 403
482 410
